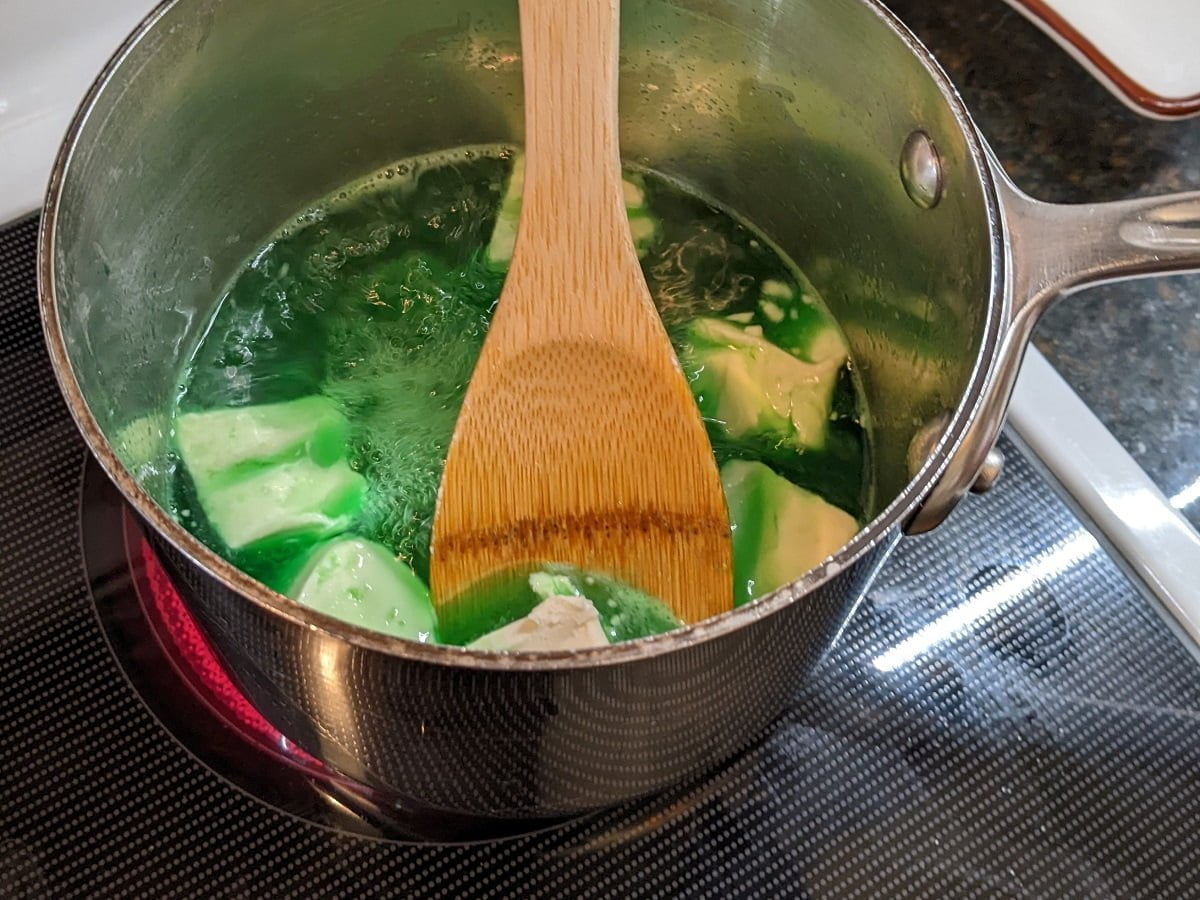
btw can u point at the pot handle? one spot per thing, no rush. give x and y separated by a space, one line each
1054 250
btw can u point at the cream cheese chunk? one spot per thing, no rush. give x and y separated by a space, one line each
557 623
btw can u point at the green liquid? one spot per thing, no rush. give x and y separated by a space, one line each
379 297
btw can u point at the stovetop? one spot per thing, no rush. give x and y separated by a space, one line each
1006 715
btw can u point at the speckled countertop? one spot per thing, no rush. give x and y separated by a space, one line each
1131 350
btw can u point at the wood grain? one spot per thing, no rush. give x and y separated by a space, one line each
579 440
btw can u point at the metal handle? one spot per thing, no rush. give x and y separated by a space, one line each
1055 250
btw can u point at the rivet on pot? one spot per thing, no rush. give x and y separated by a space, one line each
989 474
923 442
921 170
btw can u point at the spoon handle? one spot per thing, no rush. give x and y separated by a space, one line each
572 235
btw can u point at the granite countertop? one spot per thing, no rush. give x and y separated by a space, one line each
1131 350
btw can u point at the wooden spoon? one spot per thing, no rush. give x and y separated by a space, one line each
579 441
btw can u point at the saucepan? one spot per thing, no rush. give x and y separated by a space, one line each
824 122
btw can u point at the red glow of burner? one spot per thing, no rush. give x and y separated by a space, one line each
195 660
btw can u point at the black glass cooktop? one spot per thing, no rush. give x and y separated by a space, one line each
1005 716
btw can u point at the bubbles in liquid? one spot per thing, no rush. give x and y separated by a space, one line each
696 277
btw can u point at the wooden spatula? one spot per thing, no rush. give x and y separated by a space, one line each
579 441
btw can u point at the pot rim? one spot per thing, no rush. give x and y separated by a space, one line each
878 531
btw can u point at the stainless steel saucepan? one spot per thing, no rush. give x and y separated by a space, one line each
823 121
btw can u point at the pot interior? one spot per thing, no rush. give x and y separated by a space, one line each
224 119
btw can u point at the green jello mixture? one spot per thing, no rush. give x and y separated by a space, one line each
315 413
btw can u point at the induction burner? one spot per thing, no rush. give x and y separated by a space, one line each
1005 715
